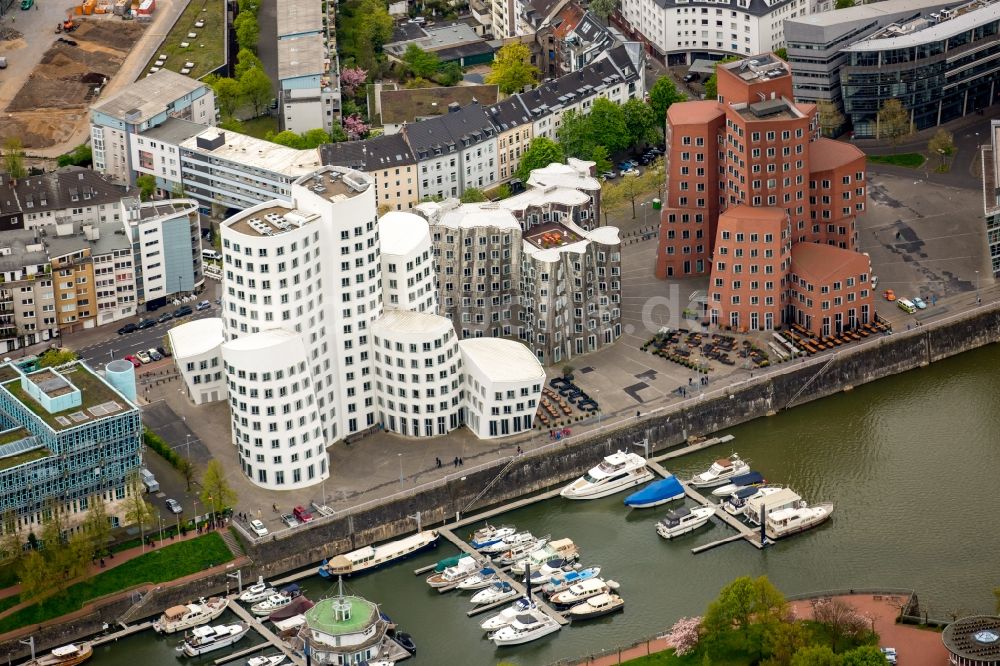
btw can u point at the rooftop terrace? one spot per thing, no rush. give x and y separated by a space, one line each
763 67
552 235
97 398
271 221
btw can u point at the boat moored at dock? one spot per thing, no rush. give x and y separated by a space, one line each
785 499
616 473
372 557
596 606
508 542
522 549
267 660
477 581
736 504
507 615
582 591
489 535
207 639
561 581
562 549
657 493
739 482
528 626
65 655
495 592
683 520
182 618
786 522
257 592
721 471
467 566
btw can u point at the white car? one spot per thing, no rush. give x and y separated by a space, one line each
890 655
258 528
632 172
144 357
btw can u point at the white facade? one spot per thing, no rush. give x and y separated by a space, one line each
479 165
158 158
408 276
548 125
195 346
166 238
503 383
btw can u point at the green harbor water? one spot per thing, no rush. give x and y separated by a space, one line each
910 463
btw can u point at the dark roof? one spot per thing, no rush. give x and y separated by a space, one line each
509 113
175 130
379 153
590 30
409 104
465 51
65 188
536 11
616 68
406 31
450 132
756 8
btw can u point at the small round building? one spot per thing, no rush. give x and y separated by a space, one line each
344 630
973 641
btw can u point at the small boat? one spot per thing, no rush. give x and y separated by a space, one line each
582 591
508 542
563 549
786 522
466 567
523 549
507 615
291 624
478 580
405 641
372 557
268 660
65 655
785 499
721 471
563 581
182 618
448 562
497 591
273 603
490 535
206 639
616 473
298 606
257 592
736 505
656 493
602 604
684 520
551 568
526 627
739 482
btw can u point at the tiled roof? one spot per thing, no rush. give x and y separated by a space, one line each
450 132
381 152
826 154
65 188
509 113
615 68
822 264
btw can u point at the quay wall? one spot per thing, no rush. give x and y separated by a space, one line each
786 385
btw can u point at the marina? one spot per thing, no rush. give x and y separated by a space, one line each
866 451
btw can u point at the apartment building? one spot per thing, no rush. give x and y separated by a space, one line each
566 39
991 194
118 119
749 180
678 32
310 351
165 239
27 302
308 70
405 106
388 159
514 134
69 195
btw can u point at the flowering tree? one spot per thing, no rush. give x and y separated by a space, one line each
843 621
351 78
683 636
356 128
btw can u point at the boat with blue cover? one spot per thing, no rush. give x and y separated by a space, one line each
489 535
750 479
656 493
563 581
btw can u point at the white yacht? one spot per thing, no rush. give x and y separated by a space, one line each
617 472
477 581
526 627
373 557
516 552
582 591
507 615
257 592
272 603
466 567
786 522
508 542
560 549
490 534
720 472
756 506
206 639
270 660
596 606
683 520
181 618
736 504
497 591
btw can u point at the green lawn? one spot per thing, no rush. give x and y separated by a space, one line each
9 602
911 160
207 51
157 566
260 126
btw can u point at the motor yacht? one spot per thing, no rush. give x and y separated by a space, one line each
684 520
477 581
656 493
182 618
65 655
582 591
616 473
736 504
526 627
739 482
560 549
489 535
786 522
721 471
596 606
272 603
563 580
759 506
521 550
206 639
508 542
496 591
269 660
256 592
466 567
507 615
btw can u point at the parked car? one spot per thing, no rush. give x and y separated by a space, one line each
890 655
204 305
302 514
164 352
889 295
182 311
289 519
625 166
258 528
127 328
133 360
632 172
653 150
906 306
165 317
609 175
174 506
690 76
145 323
919 302
143 357
155 355
644 160
3 62
27 4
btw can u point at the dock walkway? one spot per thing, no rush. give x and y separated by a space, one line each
268 635
122 633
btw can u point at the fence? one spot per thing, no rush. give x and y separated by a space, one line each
619 654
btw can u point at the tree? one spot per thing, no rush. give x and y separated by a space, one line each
419 62
13 158
355 127
450 74
782 53
337 134
843 4
893 121
288 138
603 8
245 61
640 122
216 494
11 548
661 96
607 122
472 195
512 69
684 635
147 185
783 639
601 159
56 357
137 509
376 25
575 135
228 95
942 144
79 156
66 558
247 31
257 89
97 526
864 655
712 83
830 117
314 138
612 197
351 78
36 576
744 602
841 620
540 153
232 125
815 655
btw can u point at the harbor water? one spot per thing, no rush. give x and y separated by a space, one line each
909 462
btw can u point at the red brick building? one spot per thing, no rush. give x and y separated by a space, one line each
829 288
748 176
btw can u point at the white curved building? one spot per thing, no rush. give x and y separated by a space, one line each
195 345
418 374
407 264
503 383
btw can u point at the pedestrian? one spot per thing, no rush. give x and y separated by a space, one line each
455 461
102 562
437 461
518 449
876 235
461 462
637 415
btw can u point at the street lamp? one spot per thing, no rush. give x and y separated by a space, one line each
598 392
160 518
978 301
400 457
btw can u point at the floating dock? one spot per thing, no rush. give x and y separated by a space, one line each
122 633
691 448
268 635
